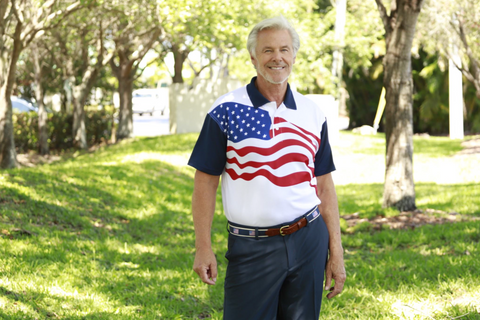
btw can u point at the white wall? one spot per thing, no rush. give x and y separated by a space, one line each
189 106
329 106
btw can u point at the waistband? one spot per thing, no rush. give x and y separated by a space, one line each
262 232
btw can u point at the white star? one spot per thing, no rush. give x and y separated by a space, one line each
253 118
248 114
243 121
263 125
232 122
256 111
231 131
235 137
253 129
221 106
246 133
236 126
241 130
236 105
263 115
238 117
258 132
241 110
233 112
228 108
248 125
258 122
264 135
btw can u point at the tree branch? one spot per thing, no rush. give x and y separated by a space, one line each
384 16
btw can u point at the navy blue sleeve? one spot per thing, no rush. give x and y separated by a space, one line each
210 152
324 158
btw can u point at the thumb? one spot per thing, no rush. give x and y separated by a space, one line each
328 279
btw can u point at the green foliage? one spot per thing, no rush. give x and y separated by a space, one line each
98 127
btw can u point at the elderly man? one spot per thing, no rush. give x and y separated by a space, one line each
270 146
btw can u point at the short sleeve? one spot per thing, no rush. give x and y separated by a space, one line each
324 158
209 154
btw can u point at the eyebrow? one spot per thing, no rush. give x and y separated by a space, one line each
282 47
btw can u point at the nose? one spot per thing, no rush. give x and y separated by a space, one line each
277 56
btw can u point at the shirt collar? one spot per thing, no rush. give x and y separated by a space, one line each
259 100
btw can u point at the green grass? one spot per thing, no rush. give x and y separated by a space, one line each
109 235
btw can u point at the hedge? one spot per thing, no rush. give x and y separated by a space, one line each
25 125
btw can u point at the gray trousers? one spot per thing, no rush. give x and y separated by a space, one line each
278 277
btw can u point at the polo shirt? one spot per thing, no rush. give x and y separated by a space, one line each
268 157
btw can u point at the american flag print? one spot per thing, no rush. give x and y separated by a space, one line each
263 146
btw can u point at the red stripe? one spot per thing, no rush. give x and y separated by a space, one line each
271 150
281 120
291 130
285 181
274 164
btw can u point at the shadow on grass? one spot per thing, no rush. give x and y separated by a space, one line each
131 242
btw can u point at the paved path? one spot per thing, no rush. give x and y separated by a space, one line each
150 126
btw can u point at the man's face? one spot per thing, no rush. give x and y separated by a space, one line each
274 55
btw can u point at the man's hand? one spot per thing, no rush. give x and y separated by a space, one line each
205 265
335 270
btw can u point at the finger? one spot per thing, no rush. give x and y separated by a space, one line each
328 280
213 272
337 288
205 276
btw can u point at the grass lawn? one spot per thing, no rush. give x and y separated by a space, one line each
109 235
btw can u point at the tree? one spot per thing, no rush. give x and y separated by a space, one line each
399 187
451 23
39 70
20 22
134 34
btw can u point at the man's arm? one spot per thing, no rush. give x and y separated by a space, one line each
329 209
203 208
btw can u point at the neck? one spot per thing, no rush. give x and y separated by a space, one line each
273 92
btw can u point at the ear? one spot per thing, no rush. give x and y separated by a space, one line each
254 61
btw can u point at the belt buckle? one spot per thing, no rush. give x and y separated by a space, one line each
281 230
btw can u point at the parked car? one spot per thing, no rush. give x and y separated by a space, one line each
20 105
147 101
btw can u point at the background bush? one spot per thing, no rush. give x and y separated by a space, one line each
98 125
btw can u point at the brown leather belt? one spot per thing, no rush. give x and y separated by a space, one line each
254 232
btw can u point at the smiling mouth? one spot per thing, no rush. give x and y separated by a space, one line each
276 68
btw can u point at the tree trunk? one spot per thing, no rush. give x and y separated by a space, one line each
399 187
179 57
80 96
125 116
125 73
337 56
8 65
79 131
43 147
8 155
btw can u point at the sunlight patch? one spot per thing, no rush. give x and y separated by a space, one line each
173 159
431 308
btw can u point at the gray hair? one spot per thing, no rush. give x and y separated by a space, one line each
276 23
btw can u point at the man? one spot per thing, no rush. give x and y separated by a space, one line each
270 145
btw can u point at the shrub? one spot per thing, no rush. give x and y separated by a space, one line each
25 125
